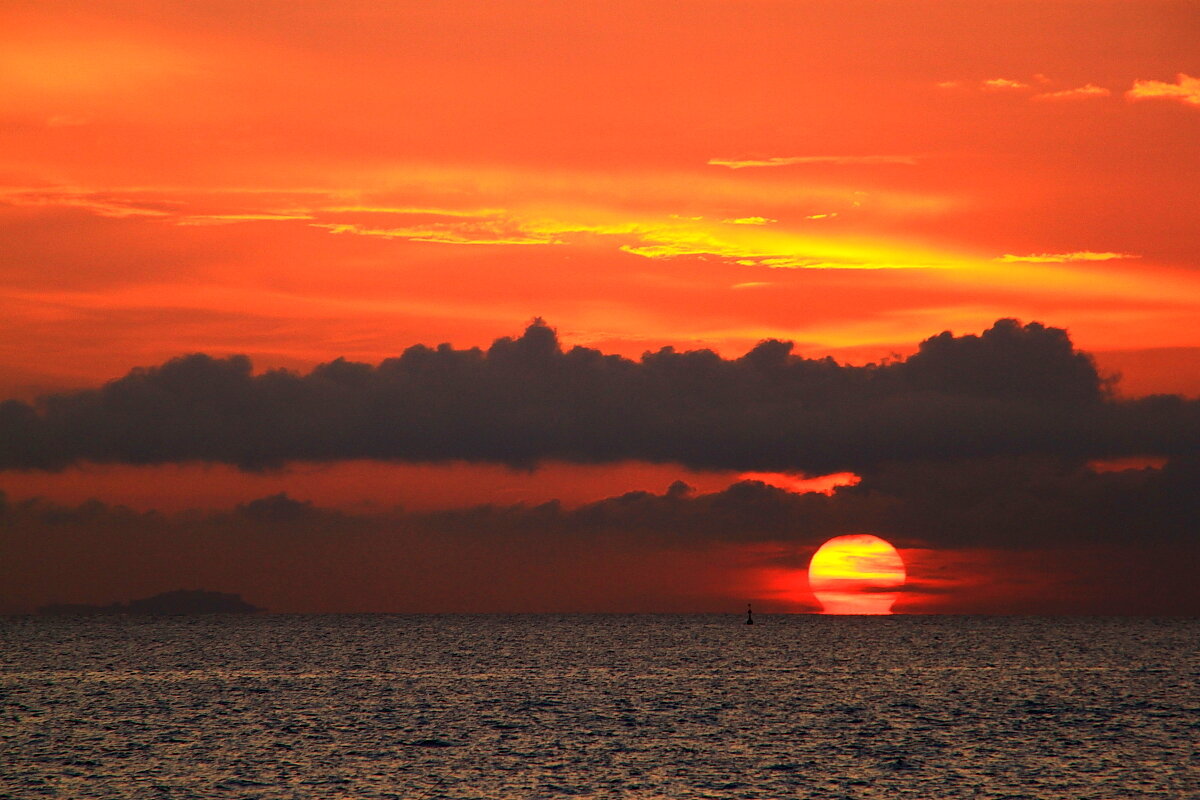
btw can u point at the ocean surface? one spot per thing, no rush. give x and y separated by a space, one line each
599 707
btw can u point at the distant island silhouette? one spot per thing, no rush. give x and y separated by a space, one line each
179 601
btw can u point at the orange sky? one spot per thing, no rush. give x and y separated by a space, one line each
300 181
303 180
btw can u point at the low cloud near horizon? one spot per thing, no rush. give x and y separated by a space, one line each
1026 535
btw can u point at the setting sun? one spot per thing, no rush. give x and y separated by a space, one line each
851 575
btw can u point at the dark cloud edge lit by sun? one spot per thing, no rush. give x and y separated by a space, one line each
993 462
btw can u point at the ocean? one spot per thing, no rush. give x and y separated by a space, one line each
604 706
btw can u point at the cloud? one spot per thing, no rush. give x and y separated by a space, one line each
787 161
591 222
1186 90
1097 542
117 205
1079 540
756 245
1060 258
1086 92
277 508
749 220
226 219
1003 84
825 484
481 213
1012 390
442 234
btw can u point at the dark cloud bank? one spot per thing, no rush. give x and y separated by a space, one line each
1012 390
975 451
1003 503
1073 539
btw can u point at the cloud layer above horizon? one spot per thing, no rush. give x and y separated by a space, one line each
1012 390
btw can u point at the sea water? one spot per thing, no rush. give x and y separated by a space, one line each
599 707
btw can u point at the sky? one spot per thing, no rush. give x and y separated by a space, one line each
621 306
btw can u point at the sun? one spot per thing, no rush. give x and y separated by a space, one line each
852 575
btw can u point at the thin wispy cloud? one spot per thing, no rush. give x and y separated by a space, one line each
102 204
749 221
748 241
1185 89
414 211
988 85
437 235
1062 258
788 161
993 84
226 219
1087 92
